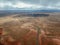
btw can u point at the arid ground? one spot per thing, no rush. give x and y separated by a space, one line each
23 30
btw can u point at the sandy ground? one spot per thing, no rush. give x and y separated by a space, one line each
19 27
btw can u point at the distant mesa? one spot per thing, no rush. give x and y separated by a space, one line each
39 15
21 13
32 15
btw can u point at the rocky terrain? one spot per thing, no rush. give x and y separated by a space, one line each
24 30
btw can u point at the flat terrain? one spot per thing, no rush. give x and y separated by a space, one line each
24 29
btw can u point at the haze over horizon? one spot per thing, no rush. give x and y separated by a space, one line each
29 4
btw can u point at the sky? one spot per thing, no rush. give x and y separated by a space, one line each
29 4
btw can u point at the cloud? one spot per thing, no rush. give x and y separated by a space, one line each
21 5
18 5
25 1
30 4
